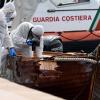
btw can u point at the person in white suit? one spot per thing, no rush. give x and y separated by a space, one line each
7 13
26 36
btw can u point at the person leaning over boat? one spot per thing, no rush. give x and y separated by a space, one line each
6 43
52 43
27 37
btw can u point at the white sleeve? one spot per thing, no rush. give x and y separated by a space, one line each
4 36
7 41
2 32
2 27
20 42
18 38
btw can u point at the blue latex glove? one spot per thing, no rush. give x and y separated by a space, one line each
12 52
29 42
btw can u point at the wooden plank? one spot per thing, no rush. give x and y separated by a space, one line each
13 91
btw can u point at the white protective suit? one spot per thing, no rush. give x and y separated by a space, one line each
19 37
5 40
6 14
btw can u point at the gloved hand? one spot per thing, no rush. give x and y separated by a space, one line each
12 52
29 42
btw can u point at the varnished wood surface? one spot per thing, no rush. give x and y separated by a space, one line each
67 79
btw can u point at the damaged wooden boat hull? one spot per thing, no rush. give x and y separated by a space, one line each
69 79
67 75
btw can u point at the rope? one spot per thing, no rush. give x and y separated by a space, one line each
75 59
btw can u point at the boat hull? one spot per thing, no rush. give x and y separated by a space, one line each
65 75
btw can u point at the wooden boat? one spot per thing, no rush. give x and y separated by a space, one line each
67 75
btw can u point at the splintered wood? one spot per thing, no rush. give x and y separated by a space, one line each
48 65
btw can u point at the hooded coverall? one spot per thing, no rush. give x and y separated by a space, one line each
19 37
5 40
6 14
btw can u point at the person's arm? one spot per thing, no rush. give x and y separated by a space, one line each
7 42
2 32
18 38
3 28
